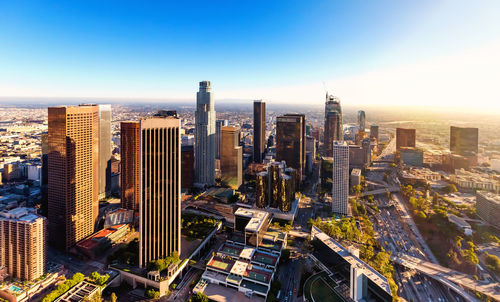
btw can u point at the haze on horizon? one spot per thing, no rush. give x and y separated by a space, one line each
425 54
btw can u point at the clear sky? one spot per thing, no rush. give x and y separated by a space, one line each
435 53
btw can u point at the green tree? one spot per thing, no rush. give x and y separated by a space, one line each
199 297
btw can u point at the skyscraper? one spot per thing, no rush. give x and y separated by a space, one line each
73 173
340 178
130 147
405 138
205 141
155 145
302 138
361 120
218 126
23 243
276 187
464 141
104 150
187 166
231 157
290 142
374 132
333 124
259 130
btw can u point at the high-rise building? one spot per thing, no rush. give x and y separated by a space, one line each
405 138
302 138
261 189
130 147
157 148
45 173
333 123
290 142
231 157
73 173
464 141
340 178
374 132
259 130
104 150
187 166
205 141
361 120
23 243
276 187
218 126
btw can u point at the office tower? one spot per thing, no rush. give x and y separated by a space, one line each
231 157
155 146
187 166
261 190
361 120
104 150
73 173
23 243
374 132
205 136
405 138
340 185
290 142
366 146
333 124
130 147
274 172
45 172
276 187
218 126
464 141
259 130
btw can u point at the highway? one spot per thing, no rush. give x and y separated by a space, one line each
438 272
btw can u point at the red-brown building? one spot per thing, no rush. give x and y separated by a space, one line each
187 166
73 173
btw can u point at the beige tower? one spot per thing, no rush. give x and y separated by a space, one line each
159 180
23 243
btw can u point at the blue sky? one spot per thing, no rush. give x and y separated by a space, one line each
282 51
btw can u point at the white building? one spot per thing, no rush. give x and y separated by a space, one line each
340 178
205 141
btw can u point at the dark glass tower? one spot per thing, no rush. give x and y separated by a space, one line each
259 130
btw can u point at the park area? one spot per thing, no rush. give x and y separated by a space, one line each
319 288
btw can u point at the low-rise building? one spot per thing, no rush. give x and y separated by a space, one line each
355 177
488 207
93 246
411 156
463 225
247 261
476 180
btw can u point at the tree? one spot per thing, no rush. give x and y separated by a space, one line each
199 297
285 255
113 297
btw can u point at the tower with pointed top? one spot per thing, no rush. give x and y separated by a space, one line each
333 124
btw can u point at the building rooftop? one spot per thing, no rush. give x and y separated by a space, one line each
21 214
368 271
257 218
490 196
239 268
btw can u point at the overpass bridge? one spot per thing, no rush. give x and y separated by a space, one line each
452 279
381 191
